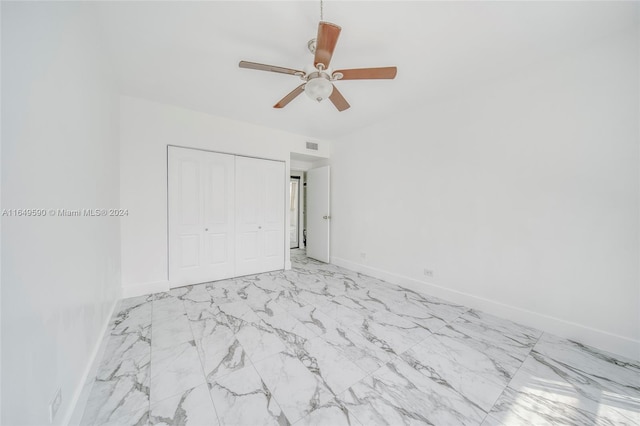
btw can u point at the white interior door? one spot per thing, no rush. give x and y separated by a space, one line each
318 213
201 216
260 215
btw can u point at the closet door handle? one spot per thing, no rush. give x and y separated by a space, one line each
259 227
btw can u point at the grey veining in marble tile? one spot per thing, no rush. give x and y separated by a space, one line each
242 398
399 333
614 373
289 300
259 342
314 319
267 309
180 291
430 305
297 390
170 331
257 290
197 293
494 333
221 353
166 306
366 354
134 316
135 345
130 302
222 292
476 356
385 330
333 413
239 310
192 407
288 328
174 369
411 311
206 319
120 393
333 369
340 313
466 370
395 395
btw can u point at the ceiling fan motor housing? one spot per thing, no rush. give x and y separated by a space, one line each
318 85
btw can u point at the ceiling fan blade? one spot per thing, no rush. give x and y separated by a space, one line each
325 43
272 68
338 100
368 73
291 96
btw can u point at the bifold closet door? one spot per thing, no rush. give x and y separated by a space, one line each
201 216
260 215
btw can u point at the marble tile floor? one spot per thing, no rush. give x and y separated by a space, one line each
322 345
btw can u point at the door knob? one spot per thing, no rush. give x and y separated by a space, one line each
206 229
259 227
326 217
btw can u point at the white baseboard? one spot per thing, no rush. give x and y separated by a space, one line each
81 394
144 289
610 342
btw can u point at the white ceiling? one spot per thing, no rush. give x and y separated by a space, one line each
187 53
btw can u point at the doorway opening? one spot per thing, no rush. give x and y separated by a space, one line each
294 213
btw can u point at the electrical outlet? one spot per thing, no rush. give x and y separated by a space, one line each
428 273
363 256
55 405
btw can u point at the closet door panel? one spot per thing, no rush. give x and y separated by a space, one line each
260 215
274 214
219 213
201 216
189 175
186 185
218 249
248 196
189 251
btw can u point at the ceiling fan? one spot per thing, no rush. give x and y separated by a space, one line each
318 79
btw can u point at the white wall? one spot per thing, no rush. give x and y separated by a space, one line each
146 130
522 196
60 275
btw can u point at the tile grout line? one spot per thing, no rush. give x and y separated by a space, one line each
204 373
170 347
260 376
153 299
512 377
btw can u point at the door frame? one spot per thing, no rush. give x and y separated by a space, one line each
285 235
300 228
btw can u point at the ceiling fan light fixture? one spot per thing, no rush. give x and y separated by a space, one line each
318 89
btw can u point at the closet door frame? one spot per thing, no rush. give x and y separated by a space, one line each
285 184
